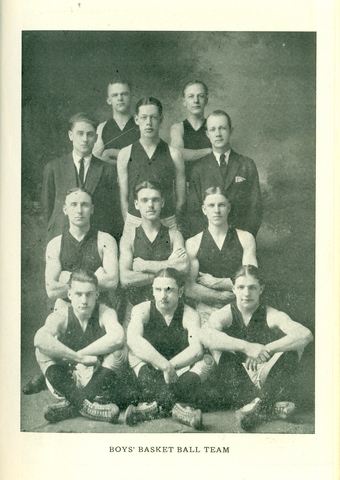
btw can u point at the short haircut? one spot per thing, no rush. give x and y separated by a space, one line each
84 276
248 270
78 189
120 80
220 113
172 273
82 117
149 101
153 184
215 191
195 82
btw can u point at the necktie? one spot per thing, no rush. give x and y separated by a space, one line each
81 172
223 166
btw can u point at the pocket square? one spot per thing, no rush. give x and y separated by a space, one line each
239 179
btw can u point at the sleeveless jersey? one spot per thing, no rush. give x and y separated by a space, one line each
160 167
84 254
167 340
194 140
114 137
220 263
158 250
74 337
257 330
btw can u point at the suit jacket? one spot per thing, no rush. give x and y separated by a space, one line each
60 176
241 184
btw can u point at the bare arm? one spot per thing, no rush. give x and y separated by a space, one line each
194 352
108 155
112 340
55 280
180 183
107 274
176 140
129 277
141 347
122 169
178 258
249 247
46 340
193 288
297 337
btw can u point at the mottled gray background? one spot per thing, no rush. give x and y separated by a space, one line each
267 83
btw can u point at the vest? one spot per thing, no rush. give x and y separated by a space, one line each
160 167
158 250
220 263
170 340
83 254
194 140
74 337
114 137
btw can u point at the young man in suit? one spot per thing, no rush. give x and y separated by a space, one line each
81 169
120 130
234 173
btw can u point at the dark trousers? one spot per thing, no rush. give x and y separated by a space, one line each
152 387
230 386
119 389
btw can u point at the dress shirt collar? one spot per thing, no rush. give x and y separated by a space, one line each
87 160
217 156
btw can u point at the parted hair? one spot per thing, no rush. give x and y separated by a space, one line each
195 82
246 270
170 272
78 189
149 101
152 184
220 113
213 191
84 276
82 117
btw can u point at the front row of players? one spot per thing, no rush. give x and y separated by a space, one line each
177 355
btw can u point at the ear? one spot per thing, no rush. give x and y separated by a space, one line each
261 289
207 134
162 202
136 119
136 205
233 289
65 210
92 209
204 210
69 294
108 100
70 135
180 292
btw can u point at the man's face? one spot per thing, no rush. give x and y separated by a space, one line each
83 297
247 290
166 293
149 121
119 97
83 136
149 203
216 207
78 207
218 132
195 99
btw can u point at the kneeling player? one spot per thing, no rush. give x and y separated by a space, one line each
79 350
257 349
163 338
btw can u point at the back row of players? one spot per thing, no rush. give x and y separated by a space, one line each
174 349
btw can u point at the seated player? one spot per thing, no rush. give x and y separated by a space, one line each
257 349
215 254
80 247
151 247
150 158
163 339
80 353
120 130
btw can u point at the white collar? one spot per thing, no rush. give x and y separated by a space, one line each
77 158
217 156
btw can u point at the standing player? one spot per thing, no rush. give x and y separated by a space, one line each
80 353
215 254
120 130
150 158
257 349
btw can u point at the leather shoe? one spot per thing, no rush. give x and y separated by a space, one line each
36 385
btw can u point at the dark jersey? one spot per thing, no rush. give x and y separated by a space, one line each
158 250
194 140
83 255
114 137
74 337
220 263
168 340
257 330
160 167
